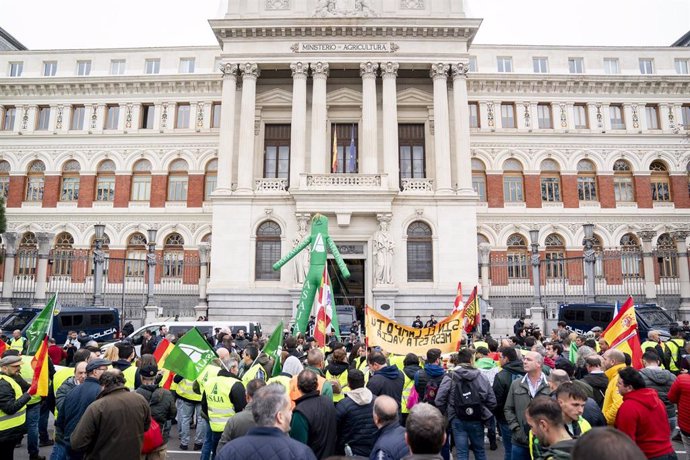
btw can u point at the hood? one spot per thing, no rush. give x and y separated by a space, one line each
485 363
433 370
658 376
515 367
646 397
390 372
121 364
292 366
337 368
467 373
361 396
263 359
410 371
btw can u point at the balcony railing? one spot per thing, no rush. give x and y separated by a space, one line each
270 185
343 181
417 185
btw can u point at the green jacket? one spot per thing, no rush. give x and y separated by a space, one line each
519 398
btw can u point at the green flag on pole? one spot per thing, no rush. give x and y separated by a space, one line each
40 325
272 348
191 354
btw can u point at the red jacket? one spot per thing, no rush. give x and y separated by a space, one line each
642 416
680 394
57 354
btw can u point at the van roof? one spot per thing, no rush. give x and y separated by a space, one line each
71 309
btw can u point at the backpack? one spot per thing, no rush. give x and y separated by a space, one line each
467 402
431 389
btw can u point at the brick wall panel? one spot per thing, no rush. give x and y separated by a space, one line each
605 192
123 185
87 190
51 191
569 196
532 191
195 191
15 195
494 190
680 193
159 191
643 191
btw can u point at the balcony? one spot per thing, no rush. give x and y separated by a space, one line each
270 185
417 186
344 182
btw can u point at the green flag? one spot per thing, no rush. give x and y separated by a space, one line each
40 325
272 348
191 354
572 352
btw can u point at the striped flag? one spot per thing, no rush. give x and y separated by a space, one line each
622 333
39 384
352 153
162 351
457 305
470 312
334 159
324 310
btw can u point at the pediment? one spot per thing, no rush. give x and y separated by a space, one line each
414 96
344 96
275 96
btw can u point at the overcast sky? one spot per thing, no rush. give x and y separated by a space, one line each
52 24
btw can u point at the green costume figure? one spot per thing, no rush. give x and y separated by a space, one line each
319 240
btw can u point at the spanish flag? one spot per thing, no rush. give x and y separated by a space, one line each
622 334
39 384
334 159
162 351
470 312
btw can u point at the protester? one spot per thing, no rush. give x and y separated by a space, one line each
431 322
355 417
659 380
511 369
17 342
336 373
431 376
125 358
386 380
606 443
486 326
655 343
56 353
410 368
315 364
674 349
590 411
390 441
417 323
596 378
239 424
425 432
13 402
314 419
614 360
162 404
679 394
545 419
189 409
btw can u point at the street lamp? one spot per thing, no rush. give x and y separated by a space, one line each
590 259
98 261
536 279
151 263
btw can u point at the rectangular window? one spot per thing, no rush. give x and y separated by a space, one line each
646 66
49 68
186 65
210 185
420 258
8 121
135 266
177 187
587 188
682 66
623 189
117 67
576 65
34 189
473 63
344 148
685 112
215 115
152 66
70 189
661 190
555 265
512 189
173 264
411 151
78 112
616 115
505 64
182 116
474 115
141 188
43 118
517 265
16 69
611 66
508 115
146 116
479 186
105 188
550 189
652 115
540 65
580 114
83 68
544 116
4 186
112 114
277 151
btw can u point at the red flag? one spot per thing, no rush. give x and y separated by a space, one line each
470 312
458 298
324 309
621 333
3 347
39 384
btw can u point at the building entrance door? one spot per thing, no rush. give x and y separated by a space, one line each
349 291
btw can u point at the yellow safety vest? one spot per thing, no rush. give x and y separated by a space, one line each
251 374
675 361
481 343
17 344
209 371
27 374
651 345
283 380
130 375
407 389
397 361
185 389
535 449
220 408
60 376
342 380
9 421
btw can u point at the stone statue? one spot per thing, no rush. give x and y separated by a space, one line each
339 8
383 250
302 259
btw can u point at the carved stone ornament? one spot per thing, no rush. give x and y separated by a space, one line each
229 70
460 69
368 70
277 5
600 118
164 116
680 235
490 113
389 69
439 70
299 69
319 69
343 8
128 116
94 116
411 4
200 115
635 117
646 235
250 70
527 115
25 118
564 119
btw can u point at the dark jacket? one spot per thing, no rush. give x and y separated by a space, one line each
411 370
161 402
238 425
10 405
447 392
593 414
337 368
390 443
355 420
314 415
430 372
387 381
660 380
264 443
60 393
113 426
74 406
121 364
511 371
518 399
598 382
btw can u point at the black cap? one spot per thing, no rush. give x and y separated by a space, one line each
149 371
96 363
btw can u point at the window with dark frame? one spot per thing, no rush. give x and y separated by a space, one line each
344 151
267 251
277 151
420 253
411 151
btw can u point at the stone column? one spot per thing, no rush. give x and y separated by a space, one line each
439 74
10 240
484 253
245 164
389 74
461 112
42 268
680 236
298 127
204 252
369 153
590 258
227 129
319 121
648 262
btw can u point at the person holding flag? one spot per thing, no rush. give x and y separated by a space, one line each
12 406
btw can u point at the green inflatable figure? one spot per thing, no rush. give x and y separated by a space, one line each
319 240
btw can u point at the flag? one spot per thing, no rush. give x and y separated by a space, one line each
3 347
39 383
458 298
272 348
162 351
324 309
470 312
572 352
40 325
616 308
190 355
352 153
622 333
334 160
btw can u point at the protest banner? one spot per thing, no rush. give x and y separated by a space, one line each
395 338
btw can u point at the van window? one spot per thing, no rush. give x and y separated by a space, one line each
101 319
574 315
18 320
67 320
602 316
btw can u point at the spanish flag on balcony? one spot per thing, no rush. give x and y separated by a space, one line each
622 334
334 159
39 384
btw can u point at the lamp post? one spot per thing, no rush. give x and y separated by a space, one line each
590 257
98 261
534 259
151 264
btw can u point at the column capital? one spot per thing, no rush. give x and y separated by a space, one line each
368 70
228 69
204 252
319 69
10 240
250 70
484 252
299 70
43 242
389 70
439 71
460 69
680 235
646 235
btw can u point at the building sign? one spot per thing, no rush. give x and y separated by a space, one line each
381 47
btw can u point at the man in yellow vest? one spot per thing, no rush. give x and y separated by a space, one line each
223 397
653 342
17 342
126 355
291 367
33 407
252 367
675 349
12 407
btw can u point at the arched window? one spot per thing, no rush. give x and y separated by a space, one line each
173 256
667 256
550 181
517 256
177 180
141 181
69 189
136 255
586 181
661 188
479 178
513 183
420 252
623 188
631 256
35 181
105 181
555 255
4 179
27 254
267 251
63 254
211 178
